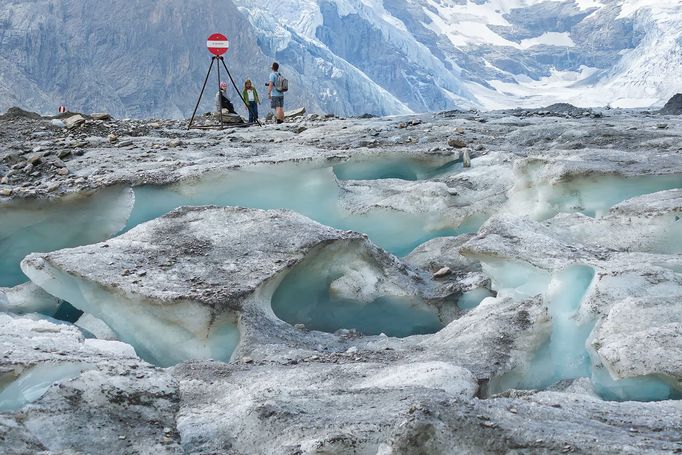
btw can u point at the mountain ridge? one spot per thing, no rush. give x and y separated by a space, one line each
347 57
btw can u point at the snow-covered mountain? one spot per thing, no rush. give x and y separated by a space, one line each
141 58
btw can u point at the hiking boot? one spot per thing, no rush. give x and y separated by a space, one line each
279 121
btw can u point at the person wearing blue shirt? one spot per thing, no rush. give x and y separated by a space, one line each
276 97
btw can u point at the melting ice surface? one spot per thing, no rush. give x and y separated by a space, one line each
34 382
43 226
398 168
309 295
565 354
311 192
592 196
161 334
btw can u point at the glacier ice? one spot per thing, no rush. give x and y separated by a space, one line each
591 296
162 335
31 384
642 388
398 168
312 192
542 198
564 355
341 288
28 226
28 298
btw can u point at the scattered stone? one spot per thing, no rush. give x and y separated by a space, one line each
125 144
57 123
112 138
53 187
5 192
74 121
299 129
101 116
457 143
63 154
174 143
662 126
443 272
34 159
294 113
63 171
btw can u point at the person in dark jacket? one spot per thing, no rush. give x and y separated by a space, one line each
250 96
222 101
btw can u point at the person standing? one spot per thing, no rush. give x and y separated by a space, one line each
276 96
250 96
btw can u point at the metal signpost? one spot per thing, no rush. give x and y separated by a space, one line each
218 45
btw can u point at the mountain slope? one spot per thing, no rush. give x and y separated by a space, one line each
144 58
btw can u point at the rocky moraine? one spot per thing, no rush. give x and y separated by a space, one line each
460 282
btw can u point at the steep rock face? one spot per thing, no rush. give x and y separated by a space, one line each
673 106
148 60
347 57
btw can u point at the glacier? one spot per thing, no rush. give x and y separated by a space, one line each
540 310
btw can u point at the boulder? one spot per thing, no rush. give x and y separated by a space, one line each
74 121
100 116
457 143
230 119
294 113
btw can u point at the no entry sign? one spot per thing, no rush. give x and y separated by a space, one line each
217 44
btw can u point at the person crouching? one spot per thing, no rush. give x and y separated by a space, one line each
222 102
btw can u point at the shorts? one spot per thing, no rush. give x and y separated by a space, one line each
277 101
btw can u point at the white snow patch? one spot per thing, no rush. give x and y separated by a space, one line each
549 39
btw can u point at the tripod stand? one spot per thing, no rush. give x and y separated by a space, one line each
220 114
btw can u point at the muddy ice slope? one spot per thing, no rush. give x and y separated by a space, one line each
542 296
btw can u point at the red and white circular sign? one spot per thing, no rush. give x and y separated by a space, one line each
217 44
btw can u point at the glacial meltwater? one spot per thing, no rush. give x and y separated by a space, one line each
565 353
315 293
31 384
593 196
398 168
28 226
311 192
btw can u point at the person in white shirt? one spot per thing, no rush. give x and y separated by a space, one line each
250 96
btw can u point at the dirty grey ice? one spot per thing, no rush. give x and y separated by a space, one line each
461 282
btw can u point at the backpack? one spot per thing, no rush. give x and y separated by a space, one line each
281 83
